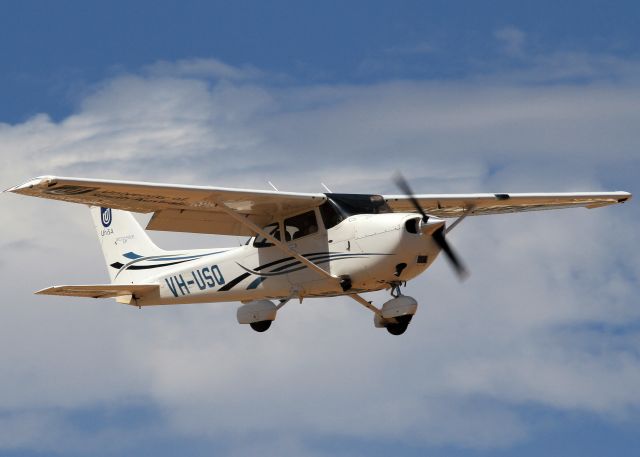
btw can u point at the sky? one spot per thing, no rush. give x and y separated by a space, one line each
536 353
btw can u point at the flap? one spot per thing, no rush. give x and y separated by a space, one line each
171 220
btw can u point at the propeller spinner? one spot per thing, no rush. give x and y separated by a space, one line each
438 235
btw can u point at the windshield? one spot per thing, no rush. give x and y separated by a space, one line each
350 204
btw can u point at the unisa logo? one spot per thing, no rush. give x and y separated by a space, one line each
105 216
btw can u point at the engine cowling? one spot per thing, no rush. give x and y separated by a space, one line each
256 311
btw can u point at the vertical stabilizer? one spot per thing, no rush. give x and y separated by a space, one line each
123 244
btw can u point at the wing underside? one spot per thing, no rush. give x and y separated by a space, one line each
201 209
179 208
455 205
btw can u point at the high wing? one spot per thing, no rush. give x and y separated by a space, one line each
203 209
101 290
176 208
455 205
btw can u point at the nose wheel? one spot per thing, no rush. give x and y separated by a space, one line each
402 307
395 314
261 326
401 326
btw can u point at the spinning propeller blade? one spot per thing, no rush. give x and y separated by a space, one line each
403 185
441 241
438 235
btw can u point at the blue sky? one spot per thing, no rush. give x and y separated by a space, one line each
53 51
537 353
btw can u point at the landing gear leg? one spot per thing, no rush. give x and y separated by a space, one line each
395 289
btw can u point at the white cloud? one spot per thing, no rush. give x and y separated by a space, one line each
548 317
576 68
512 39
203 68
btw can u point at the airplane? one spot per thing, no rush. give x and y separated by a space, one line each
301 245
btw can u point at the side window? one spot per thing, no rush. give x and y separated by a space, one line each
301 225
330 215
262 242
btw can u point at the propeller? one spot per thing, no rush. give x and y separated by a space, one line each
437 235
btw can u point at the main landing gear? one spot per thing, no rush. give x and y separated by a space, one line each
259 314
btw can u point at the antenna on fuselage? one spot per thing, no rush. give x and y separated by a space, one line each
326 188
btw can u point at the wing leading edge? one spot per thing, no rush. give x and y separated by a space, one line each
196 209
178 208
455 205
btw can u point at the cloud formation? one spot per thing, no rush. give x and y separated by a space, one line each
513 40
548 318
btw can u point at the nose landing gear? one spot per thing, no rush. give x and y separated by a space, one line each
395 314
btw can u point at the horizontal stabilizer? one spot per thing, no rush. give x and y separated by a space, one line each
101 290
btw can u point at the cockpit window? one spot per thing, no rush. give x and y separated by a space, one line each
351 204
271 229
301 225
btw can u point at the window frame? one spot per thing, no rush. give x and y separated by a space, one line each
281 227
278 225
319 225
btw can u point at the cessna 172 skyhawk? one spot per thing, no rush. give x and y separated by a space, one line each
303 244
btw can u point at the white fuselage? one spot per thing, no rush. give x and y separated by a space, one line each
369 249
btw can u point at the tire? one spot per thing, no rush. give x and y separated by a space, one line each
261 326
397 329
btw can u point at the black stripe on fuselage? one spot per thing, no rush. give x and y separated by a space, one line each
118 265
233 282
322 257
285 259
316 257
293 268
243 276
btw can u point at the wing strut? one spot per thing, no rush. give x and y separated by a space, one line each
282 246
467 211
366 304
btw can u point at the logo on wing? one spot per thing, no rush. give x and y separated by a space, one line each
105 216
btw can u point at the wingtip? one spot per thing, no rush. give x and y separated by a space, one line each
12 189
624 196
40 181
